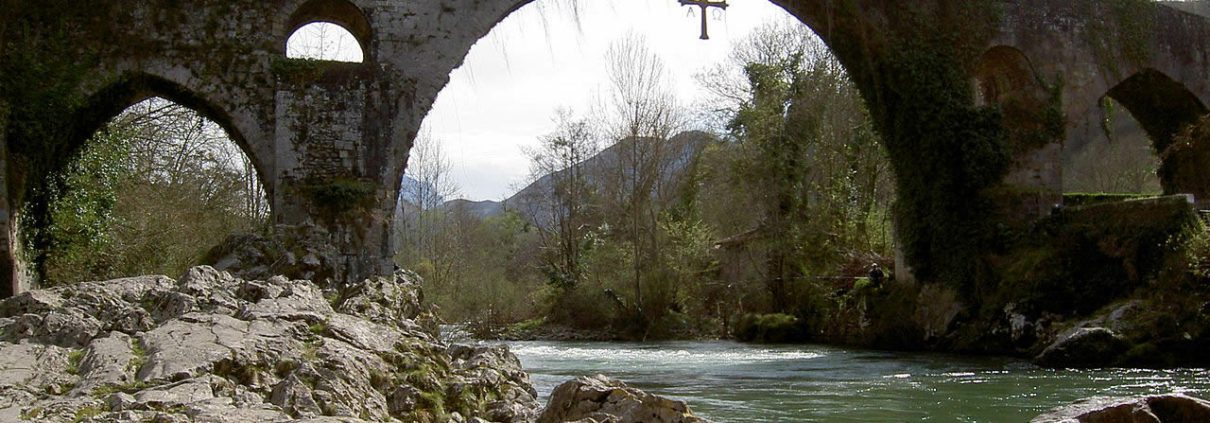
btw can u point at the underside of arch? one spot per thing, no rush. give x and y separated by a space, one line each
131 89
96 110
1162 105
1165 109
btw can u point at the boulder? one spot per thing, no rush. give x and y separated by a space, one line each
600 399
1084 347
1155 409
296 252
218 348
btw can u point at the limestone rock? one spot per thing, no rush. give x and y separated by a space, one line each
1155 409
296 252
601 399
1083 347
211 347
382 299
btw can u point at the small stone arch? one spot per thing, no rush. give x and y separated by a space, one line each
340 12
1004 74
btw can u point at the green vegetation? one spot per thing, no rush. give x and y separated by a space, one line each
87 412
769 328
138 356
676 234
319 328
148 194
340 195
73 361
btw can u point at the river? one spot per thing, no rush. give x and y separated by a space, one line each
733 382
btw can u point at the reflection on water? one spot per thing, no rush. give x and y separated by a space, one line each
731 382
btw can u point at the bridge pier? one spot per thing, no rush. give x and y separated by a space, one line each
9 280
331 144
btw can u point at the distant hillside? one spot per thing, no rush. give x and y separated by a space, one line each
482 209
683 150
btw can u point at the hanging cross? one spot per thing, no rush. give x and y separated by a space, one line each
705 4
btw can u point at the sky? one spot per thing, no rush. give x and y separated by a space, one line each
542 58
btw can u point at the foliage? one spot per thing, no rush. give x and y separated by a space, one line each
769 328
1079 260
340 195
642 239
804 129
148 194
1120 158
477 270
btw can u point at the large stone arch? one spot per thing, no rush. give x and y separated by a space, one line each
1162 105
912 64
912 61
98 108
1149 53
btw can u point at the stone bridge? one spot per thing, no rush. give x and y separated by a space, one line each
973 99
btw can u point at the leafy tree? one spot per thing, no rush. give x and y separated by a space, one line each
561 207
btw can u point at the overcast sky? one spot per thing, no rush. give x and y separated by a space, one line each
539 60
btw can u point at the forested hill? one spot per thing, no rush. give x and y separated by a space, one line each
679 153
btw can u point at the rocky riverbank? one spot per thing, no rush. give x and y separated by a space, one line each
213 347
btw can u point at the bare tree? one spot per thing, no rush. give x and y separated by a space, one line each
560 205
641 113
430 186
324 41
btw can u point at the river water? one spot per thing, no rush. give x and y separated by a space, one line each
733 382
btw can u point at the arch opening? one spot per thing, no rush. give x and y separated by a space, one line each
1165 109
838 156
1161 105
332 30
153 177
1110 152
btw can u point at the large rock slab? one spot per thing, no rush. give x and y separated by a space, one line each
600 399
1156 409
212 347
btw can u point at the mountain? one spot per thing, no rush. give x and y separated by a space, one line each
683 150
602 170
482 209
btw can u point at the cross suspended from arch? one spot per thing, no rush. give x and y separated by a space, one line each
705 4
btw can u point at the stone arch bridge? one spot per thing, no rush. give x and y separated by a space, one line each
972 97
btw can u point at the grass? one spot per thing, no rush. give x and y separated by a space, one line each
88 412
73 362
138 356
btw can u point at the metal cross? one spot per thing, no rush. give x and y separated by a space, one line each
705 4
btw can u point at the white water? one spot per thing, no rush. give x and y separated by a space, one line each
731 382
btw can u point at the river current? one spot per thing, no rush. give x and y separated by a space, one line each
733 382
